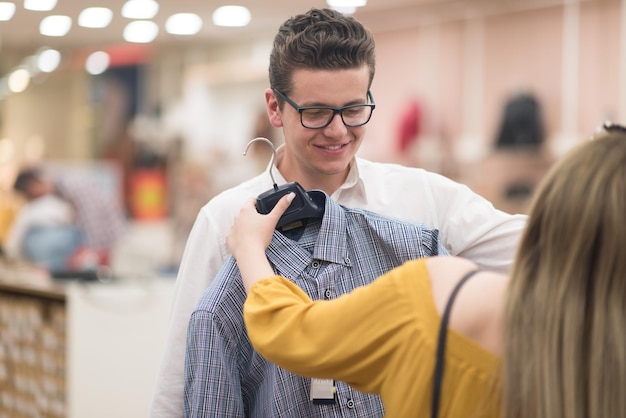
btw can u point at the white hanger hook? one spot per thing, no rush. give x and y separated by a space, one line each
268 142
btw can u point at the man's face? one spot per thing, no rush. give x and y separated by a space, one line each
319 158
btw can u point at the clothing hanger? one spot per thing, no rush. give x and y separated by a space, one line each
305 205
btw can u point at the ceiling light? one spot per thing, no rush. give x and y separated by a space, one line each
97 62
40 5
141 31
231 16
140 9
346 3
95 17
183 24
6 11
48 60
55 25
19 80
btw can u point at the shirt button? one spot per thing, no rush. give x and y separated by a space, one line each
350 403
316 264
327 294
346 261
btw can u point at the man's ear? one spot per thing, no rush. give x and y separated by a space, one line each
273 110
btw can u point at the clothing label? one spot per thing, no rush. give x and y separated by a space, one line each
323 391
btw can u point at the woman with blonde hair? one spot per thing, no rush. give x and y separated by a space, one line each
548 342
565 319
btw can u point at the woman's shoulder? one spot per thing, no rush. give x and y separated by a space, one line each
477 309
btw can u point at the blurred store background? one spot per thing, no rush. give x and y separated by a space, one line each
157 101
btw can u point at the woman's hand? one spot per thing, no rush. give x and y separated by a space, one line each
251 233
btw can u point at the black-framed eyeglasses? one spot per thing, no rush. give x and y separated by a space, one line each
318 117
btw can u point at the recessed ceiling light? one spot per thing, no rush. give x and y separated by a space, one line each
95 17
40 5
97 62
7 10
48 60
231 16
140 9
141 31
55 25
183 24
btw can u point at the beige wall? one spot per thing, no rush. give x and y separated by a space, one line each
52 110
461 67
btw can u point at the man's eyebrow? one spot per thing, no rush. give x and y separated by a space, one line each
350 103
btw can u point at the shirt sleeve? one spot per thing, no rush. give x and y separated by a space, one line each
200 263
470 226
212 386
473 228
352 338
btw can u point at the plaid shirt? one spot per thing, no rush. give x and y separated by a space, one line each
225 377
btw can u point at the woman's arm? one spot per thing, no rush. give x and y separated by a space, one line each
250 236
358 338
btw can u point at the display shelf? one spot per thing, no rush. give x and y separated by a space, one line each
79 349
32 352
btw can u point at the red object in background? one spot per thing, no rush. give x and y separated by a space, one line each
120 55
409 126
148 194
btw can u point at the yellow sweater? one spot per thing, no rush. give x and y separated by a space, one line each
381 338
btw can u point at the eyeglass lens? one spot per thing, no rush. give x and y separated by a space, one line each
352 116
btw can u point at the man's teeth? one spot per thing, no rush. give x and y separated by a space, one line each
333 147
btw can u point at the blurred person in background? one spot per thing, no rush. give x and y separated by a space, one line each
74 202
321 69
44 231
550 341
99 215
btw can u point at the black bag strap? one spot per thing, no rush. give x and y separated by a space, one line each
441 345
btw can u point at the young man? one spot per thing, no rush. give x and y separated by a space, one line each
321 69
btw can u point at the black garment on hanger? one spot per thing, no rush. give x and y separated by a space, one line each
305 205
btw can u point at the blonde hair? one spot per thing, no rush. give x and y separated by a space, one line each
565 321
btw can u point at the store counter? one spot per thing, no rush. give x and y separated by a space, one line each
80 349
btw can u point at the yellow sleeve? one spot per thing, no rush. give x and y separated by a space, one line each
351 338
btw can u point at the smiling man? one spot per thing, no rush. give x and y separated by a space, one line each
319 155
321 70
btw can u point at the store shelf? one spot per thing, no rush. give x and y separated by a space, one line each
81 349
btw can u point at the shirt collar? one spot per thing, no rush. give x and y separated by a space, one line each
353 176
331 240
353 184
330 245
278 176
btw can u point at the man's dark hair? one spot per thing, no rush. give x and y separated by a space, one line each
321 39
